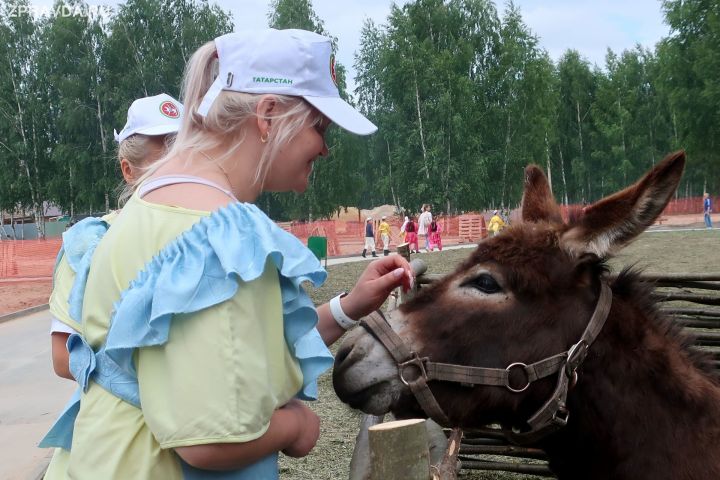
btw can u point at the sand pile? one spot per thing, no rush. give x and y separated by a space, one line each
352 213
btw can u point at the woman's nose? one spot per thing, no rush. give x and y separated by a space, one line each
324 150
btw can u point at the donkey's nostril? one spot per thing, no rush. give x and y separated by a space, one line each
342 353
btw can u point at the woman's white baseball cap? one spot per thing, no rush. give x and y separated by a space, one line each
157 115
284 62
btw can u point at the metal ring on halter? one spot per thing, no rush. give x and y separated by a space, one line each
417 362
576 355
507 383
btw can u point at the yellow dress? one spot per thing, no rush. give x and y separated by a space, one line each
218 377
496 224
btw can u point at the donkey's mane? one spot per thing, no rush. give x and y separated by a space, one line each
628 285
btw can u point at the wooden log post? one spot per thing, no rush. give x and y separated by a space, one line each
404 251
360 462
437 441
419 267
399 451
448 468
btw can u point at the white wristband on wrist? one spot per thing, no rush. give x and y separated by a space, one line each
345 322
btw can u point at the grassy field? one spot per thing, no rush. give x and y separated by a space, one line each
681 252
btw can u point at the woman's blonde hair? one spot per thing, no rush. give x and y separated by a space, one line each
136 149
225 121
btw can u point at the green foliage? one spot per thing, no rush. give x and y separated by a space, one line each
457 94
689 64
463 96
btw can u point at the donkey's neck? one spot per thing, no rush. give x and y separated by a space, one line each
641 409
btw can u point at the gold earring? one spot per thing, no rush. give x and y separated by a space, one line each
264 137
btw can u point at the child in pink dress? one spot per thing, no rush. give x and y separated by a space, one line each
434 235
411 237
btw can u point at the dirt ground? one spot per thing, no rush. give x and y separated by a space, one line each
15 296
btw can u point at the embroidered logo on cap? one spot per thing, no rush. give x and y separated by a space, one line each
282 81
332 69
169 109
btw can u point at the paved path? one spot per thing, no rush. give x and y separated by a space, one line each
31 395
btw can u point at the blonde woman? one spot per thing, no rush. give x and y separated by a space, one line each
152 123
199 340
424 225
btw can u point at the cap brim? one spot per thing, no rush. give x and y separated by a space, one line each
163 129
159 129
343 114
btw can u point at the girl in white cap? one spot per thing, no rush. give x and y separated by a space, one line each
199 340
152 123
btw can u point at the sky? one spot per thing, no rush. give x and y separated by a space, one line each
589 26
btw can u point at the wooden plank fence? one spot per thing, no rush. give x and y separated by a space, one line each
472 228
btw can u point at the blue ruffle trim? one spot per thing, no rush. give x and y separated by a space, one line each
202 267
79 243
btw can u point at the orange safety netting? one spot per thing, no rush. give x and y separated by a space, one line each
690 205
22 259
28 258
680 206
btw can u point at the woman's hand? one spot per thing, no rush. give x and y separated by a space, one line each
378 280
308 431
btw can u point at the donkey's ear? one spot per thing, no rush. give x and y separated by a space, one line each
538 203
614 221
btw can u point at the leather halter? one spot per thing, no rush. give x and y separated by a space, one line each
416 372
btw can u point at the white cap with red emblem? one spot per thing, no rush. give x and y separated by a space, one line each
157 115
284 62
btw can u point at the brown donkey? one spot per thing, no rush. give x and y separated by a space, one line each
530 333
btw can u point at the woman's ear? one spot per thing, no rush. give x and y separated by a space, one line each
265 110
127 171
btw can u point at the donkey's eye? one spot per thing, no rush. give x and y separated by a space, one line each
485 283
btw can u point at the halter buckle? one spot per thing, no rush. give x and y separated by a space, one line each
576 355
416 362
561 416
527 376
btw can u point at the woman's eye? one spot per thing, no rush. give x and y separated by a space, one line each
485 283
322 125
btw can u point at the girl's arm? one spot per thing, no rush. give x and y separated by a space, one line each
60 355
294 430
